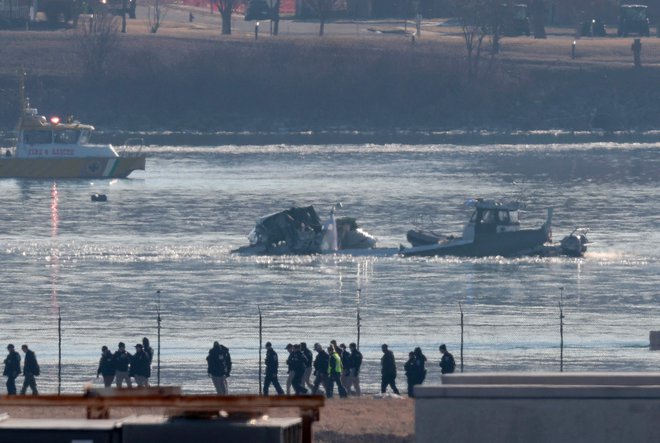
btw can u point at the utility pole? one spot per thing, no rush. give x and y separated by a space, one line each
460 307
158 319
260 339
359 291
561 331
59 350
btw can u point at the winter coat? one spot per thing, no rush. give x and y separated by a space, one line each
31 366
321 362
122 360
140 366
271 362
106 365
12 364
387 364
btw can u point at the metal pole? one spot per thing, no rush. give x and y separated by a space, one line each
158 319
462 324
359 291
561 332
260 339
59 351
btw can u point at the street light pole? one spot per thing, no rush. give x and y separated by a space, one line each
158 319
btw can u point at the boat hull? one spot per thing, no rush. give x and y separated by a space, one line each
84 167
504 244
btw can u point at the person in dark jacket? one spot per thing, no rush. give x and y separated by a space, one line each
122 359
30 371
271 370
388 370
219 367
140 368
149 351
12 369
409 369
447 362
309 358
106 367
356 364
320 369
289 370
297 363
420 366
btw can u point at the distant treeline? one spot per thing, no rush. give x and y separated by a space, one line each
170 83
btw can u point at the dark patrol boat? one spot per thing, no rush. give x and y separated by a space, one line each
494 230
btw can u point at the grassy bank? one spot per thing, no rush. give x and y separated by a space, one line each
200 82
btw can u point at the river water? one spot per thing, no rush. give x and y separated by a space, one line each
172 228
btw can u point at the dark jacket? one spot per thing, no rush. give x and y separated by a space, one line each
309 357
12 364
106 365
321 362
346 361
140 364
387 364
447 363
271 362
122 359
297 362
150 353
356 361
409 369
219 361
31 366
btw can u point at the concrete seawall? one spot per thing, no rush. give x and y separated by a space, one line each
504 407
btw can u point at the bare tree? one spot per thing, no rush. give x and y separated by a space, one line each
155 15
322 10
474 16
96 39
226 8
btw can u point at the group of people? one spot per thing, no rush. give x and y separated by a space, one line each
13 370
333 365
121 365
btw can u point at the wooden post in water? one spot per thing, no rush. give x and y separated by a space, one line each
59 351
359 291
260 339
461 309
561 331
158 319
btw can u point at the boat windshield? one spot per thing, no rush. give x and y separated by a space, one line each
84 137
67 136
37 137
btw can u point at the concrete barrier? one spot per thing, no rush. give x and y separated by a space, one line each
514 407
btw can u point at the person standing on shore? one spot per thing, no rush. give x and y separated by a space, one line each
345 368
271 370
356 364
106 367
420 365
122 358
289 371
388 370
309 358
219 367
297 364
334 373
150 353
447 362
409 369
30 371
320 369
140 368
12 369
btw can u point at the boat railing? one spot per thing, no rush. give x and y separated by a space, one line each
132 147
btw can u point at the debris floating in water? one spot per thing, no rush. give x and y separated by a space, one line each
99 198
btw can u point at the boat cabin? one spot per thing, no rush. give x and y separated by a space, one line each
39 137
492 217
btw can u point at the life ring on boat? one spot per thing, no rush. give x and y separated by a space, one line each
99 198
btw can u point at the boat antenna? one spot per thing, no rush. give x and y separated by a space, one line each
22 100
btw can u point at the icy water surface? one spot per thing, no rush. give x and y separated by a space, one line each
172 229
